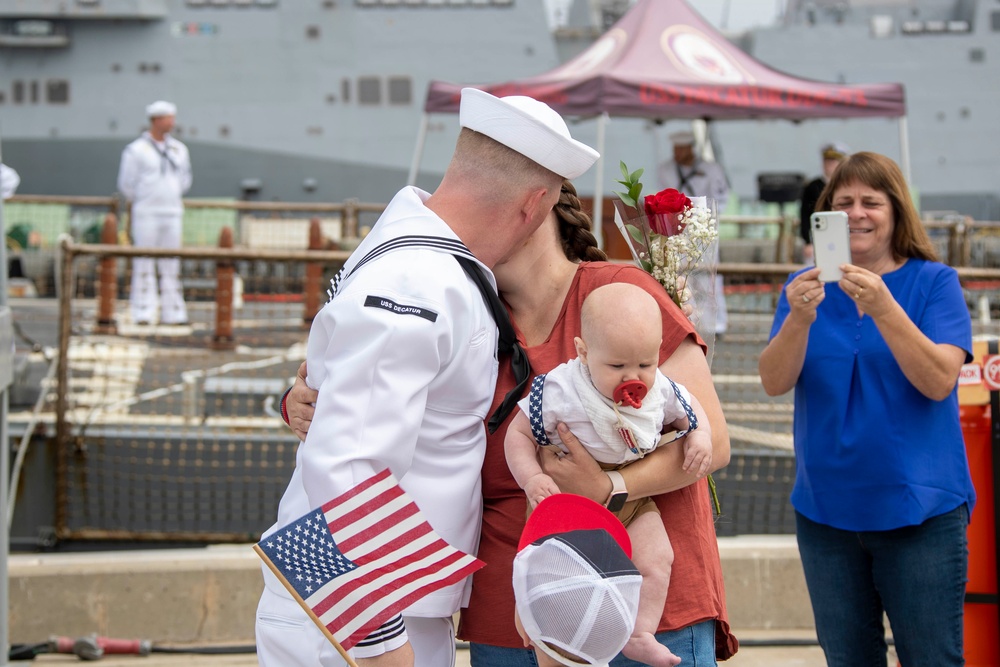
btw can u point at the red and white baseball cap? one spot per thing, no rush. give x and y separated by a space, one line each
576 590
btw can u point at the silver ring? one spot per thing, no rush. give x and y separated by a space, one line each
805 298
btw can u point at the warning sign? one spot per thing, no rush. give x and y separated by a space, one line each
991 371
971 374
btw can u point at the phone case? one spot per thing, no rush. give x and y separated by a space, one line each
831 243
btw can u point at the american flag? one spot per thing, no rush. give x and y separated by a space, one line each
362 558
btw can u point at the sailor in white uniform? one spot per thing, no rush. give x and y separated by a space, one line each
696 177
9 180
154 174
404 357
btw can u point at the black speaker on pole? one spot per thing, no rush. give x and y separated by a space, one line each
779 187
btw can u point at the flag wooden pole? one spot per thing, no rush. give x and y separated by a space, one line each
312 615
381 542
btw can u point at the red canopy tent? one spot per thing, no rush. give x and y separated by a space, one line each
662 60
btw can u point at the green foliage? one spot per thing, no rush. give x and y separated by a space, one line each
633 188
636 234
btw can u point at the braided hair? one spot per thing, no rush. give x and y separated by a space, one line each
576 227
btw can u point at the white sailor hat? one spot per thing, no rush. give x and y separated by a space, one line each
529 127
683 138
161 108
836 150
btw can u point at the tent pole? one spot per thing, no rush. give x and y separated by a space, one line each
904 150
411 179
599 183
7 356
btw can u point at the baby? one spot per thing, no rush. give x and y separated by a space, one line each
616 401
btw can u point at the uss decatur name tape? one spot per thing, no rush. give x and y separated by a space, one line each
400 309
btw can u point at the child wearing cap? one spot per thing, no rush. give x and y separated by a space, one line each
576 593
615 400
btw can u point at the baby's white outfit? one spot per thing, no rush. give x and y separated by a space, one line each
567 394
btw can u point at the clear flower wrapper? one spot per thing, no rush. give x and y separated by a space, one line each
675 239
680 250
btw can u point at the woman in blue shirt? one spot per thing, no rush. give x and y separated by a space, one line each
882 489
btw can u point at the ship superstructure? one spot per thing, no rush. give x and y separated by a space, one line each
947 55
321 99
278 99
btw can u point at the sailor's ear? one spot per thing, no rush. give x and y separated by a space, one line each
536 206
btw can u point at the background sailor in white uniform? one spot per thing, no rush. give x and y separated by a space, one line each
696 177
9 180
154 174
404 357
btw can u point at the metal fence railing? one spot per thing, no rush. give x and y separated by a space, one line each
171 432
35 223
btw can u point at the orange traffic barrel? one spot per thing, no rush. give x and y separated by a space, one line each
980 418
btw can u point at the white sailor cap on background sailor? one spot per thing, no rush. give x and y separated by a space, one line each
683 138
161 108
835 150
529 127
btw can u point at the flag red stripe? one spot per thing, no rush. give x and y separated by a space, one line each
426 573
357 490
391 530
405 602
372 573
376 529
394 609
433 583
370 506
399 543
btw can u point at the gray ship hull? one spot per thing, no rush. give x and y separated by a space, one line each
301 100
944 55
82 167
943 52
322 101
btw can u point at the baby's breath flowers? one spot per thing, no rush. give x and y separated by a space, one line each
667 233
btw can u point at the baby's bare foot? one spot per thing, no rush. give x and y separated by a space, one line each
643 647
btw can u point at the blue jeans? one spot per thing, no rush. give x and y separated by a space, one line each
916 575
695 645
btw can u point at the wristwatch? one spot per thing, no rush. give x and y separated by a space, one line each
619 494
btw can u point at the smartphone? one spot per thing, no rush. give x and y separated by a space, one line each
831 243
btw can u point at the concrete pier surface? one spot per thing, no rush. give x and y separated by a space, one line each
762 649
206 597
749 656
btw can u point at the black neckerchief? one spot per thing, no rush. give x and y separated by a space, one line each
683 184
506 341
162 153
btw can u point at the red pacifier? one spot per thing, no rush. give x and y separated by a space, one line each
630 394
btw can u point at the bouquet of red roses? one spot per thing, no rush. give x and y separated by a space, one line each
668 235
667 232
